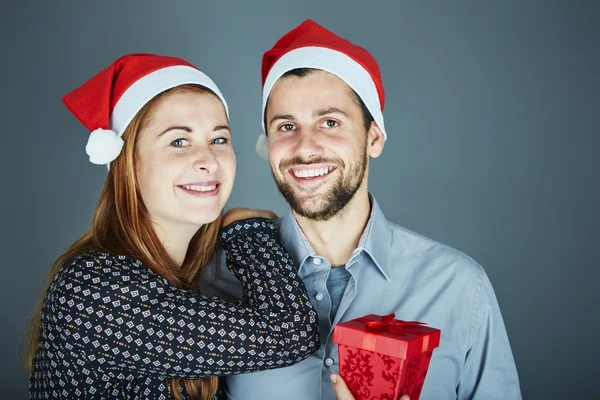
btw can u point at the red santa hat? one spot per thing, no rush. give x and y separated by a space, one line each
107 102
310 45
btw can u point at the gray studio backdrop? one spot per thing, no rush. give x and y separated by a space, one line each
492 114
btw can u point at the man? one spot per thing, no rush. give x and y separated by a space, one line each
322 112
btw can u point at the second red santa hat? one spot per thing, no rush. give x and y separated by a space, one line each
310 45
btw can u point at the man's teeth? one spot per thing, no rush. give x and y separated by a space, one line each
311 173
198 188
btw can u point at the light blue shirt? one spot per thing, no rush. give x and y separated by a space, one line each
393 270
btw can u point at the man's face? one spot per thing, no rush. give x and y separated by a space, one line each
318 146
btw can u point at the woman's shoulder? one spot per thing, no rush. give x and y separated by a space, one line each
101 263
103 259
103 273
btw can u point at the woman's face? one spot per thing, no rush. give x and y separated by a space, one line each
185 163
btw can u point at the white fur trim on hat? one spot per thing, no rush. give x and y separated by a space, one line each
145 88
103 146
332 61
262 146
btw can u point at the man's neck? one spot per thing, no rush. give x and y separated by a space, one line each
336 239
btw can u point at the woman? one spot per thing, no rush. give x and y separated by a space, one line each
120 317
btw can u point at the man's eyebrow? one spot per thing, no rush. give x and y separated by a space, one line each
329 110
280 117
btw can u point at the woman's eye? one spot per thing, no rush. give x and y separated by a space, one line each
180 143
220 140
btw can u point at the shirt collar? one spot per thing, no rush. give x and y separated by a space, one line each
293 238
374 241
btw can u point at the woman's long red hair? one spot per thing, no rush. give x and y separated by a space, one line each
121 225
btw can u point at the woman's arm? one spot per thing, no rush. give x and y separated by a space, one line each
116 313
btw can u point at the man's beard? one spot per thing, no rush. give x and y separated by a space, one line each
334 201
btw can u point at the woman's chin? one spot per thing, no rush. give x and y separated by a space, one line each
205 216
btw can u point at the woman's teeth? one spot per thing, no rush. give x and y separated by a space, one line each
199 188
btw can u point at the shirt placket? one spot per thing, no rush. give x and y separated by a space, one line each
328 350
315 271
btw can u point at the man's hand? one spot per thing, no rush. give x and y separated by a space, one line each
236 214
343 393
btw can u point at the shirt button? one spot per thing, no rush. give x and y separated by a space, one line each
329 361
319 296
317 261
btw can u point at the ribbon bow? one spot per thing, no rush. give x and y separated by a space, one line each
390 325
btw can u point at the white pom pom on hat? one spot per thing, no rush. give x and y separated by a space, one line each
106 103
310 45
103 146
262 146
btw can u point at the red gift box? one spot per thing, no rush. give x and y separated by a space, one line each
382 358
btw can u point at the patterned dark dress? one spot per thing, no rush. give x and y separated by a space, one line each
112 329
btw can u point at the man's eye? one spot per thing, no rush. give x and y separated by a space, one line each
180 143
330 123
220 140
287 127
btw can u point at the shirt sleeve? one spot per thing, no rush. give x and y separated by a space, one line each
116 313
490 371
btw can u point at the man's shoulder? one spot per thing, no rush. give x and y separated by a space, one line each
417 245
278 222
218 281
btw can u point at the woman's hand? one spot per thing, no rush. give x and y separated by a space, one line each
343 393
236 214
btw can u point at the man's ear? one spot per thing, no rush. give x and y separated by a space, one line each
375 141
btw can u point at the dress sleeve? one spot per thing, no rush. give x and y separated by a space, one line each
114 312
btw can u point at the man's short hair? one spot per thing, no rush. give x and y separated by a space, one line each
302 72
